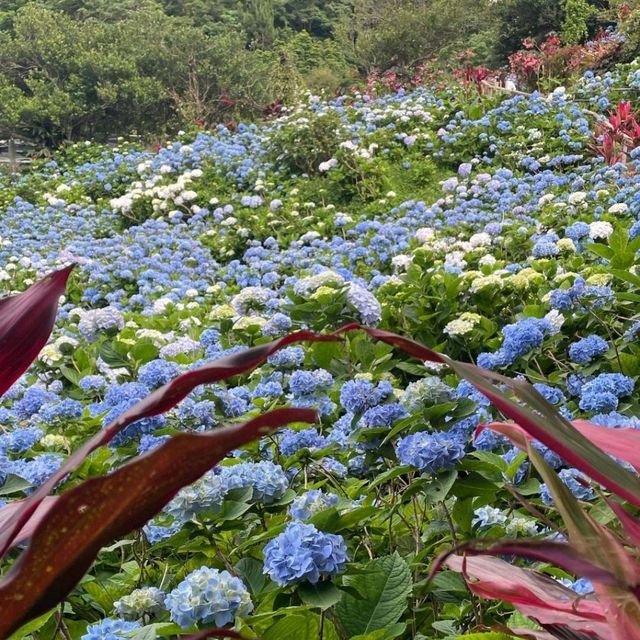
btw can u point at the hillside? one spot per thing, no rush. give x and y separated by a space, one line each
497 229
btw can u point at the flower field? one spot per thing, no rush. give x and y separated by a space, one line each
497 230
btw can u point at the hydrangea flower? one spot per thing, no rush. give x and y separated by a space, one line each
430 452
208 596
145 601
110 629
588 349
301 553
311 502
572 479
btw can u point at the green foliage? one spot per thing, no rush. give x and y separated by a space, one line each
383 586
575 26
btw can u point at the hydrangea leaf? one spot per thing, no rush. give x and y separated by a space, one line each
90 515
384 585
323 594
26 322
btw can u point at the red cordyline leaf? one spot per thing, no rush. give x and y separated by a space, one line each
538 418
26 322
85 518
622 443
534 594
158 402
26 532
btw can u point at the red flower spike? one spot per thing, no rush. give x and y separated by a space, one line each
85 518
160 401
26 322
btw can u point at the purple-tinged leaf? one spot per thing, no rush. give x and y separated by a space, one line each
532 593
26 322
160 401
92 514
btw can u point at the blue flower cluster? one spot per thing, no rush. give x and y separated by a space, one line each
430 452
210 597
301 553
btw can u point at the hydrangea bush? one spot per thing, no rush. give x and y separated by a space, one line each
486 229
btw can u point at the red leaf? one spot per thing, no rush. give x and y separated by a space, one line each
622 443
158 402
537 417
532 593
26 322
92 514
560 554
26 532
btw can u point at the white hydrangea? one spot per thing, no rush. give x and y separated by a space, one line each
577 198
480 240
425 234
619 208
556 320
462 325
600 230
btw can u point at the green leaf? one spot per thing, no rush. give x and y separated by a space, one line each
384 585
250 570
300 626
13 484
31 627
323 594
383 634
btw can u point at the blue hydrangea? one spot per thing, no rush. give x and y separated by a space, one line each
365 304
208 596
39 469
357 396
290 442
158 372
588 349
67 409
110 629
20 440
544 248
306 383
577 231
149 442
301 553
430 452
573 479
485 517
95 383
311 502
287 358
384 415
550 394
602 394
